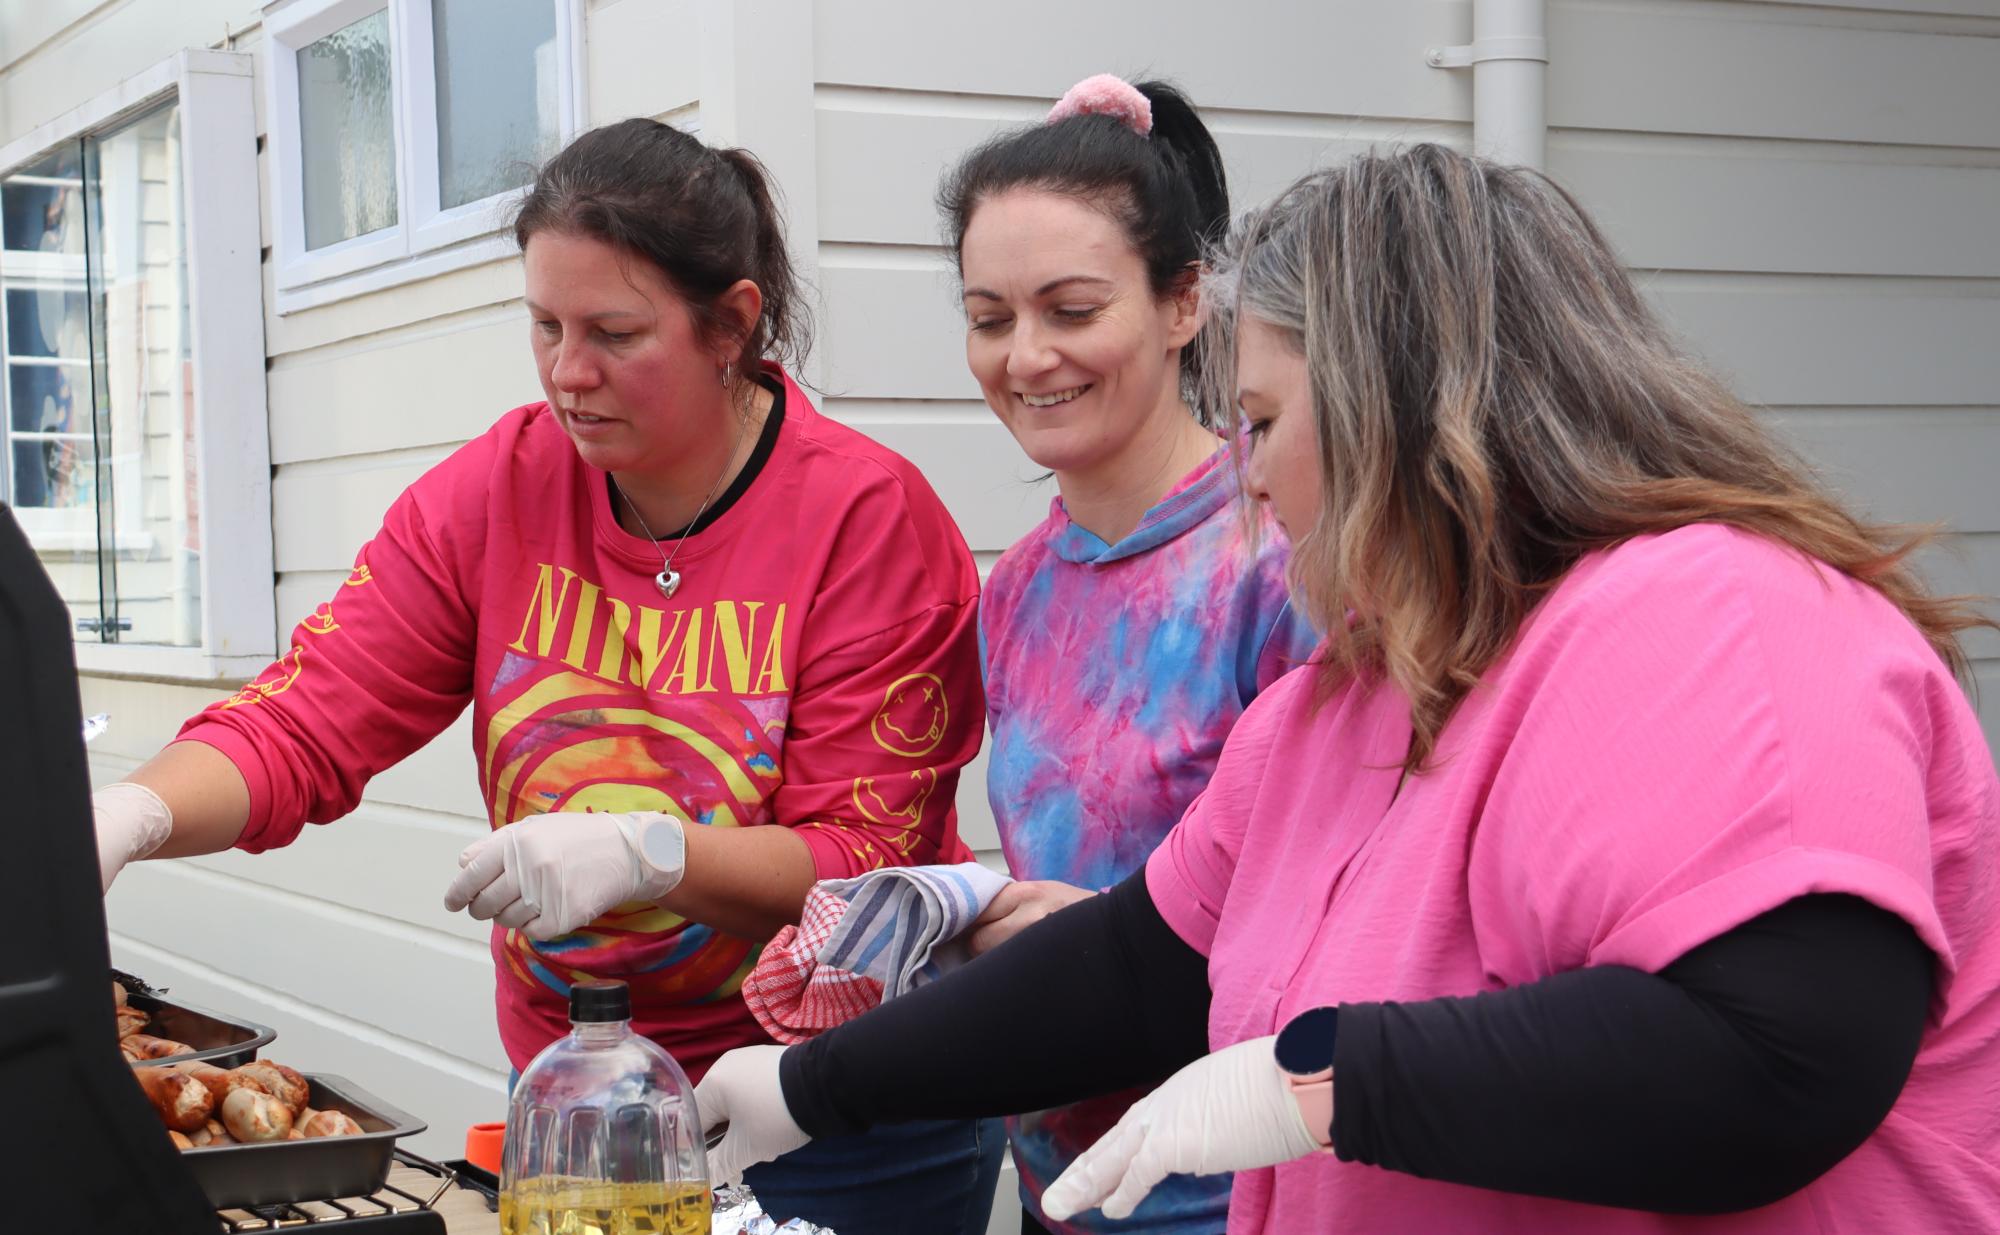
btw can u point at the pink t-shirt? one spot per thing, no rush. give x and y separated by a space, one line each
1693 728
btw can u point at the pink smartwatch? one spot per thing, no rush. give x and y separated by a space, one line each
1304 1052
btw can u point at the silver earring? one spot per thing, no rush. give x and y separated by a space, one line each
728 373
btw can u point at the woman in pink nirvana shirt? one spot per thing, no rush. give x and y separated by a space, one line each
1627 861
715 647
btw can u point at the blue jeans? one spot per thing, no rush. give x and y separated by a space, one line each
927 1178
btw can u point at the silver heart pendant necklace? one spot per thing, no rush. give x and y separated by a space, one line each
669 579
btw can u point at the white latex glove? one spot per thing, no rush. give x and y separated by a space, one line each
547 875
1230 1111
132 822
742 1090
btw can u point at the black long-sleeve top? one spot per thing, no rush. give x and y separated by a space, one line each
1730 1079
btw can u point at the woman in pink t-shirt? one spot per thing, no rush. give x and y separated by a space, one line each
1628 860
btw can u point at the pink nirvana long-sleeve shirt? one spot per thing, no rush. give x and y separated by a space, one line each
817 669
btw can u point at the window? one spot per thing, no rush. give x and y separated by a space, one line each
132 351
402 130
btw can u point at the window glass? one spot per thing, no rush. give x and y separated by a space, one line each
41 207
51 460
99 388
497 105
142 369
48 366
347 133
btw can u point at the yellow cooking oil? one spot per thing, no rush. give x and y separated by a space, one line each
551 1205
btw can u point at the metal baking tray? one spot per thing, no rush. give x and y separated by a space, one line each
319 1169
217 1039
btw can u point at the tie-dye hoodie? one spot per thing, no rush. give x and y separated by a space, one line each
817 669
1113 675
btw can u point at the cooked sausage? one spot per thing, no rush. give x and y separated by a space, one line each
252 1116
332 1123
182 1102
150 1047
280 1082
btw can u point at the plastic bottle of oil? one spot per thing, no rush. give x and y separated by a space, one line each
602 1133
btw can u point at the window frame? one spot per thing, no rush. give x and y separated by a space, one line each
425 240
216 91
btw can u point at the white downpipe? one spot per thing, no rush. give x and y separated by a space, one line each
1509 59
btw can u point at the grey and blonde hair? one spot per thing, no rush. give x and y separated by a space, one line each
1494 400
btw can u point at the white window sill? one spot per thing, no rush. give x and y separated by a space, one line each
128 543
474 252
156 662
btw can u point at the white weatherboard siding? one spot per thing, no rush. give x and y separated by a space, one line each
1809 195
1806 191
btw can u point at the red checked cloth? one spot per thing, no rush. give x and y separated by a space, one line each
864 940
789 993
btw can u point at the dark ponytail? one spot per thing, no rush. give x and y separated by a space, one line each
1166 189
705 217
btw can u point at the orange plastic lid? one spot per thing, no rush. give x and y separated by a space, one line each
482 1145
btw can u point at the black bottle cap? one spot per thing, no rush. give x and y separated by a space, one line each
599 1000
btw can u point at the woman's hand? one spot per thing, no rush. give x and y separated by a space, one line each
742 1091
1230 1111
547 875
132 822
1018 907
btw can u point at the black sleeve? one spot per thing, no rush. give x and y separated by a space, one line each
1098 997
1732 1078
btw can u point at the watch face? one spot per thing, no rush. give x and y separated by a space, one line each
1305 1045
663 846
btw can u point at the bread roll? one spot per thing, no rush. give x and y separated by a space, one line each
179 1138
332 1123
251 1116
218 1080
280 1082
182 1102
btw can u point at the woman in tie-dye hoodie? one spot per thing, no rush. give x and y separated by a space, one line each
1123 637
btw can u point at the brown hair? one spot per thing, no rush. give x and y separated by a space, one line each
705 217
1493 401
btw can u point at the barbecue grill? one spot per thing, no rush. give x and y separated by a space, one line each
79 1145
418 1199
81 1149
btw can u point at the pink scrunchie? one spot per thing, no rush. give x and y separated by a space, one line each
1106 95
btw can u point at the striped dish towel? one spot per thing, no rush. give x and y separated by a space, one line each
864 940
